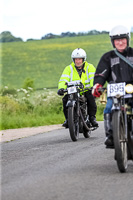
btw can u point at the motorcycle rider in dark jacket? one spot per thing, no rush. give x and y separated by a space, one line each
112 68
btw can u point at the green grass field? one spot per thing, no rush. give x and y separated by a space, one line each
44 60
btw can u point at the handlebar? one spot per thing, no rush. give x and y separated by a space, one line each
65 90
102 89
81 90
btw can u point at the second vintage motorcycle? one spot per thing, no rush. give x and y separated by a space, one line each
78 121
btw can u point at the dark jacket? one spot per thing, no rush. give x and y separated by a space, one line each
112 68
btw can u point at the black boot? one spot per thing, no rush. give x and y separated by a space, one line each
65 124
108 131
109 141
65 111
93 121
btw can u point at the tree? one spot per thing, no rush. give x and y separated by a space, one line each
93 32
6 36
49 36
68 34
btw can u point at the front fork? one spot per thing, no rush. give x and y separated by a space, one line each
116 107
72 102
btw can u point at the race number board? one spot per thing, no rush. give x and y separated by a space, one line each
115 89
71 90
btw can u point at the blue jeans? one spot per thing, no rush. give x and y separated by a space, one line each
108 105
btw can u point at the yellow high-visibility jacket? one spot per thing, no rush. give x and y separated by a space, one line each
70 74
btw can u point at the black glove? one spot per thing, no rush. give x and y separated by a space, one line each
60 92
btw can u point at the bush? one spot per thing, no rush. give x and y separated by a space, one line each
6 36
100 109
28 83
35 109
8 105
8 91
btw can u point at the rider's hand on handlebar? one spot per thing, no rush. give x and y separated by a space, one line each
95 91
60 92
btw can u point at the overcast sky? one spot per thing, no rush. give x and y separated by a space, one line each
35 18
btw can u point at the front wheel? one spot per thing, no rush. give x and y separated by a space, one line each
73 123
130 138
120 140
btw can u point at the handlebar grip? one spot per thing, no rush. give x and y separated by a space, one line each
101 89
89 89
65 90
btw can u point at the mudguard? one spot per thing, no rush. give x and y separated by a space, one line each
70 103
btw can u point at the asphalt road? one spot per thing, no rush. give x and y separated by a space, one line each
50 166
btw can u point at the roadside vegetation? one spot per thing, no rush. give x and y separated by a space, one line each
28 108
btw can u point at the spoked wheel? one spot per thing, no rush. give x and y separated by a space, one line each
120 140
130 138
73 123
86 132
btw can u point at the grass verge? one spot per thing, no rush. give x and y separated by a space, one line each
36 109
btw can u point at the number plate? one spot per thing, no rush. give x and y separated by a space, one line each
71 90
115 89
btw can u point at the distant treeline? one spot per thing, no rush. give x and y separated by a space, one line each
7 36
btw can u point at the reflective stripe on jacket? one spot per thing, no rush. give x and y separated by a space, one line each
70 74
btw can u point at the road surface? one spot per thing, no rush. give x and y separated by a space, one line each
49 166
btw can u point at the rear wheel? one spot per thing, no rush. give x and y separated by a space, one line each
120 141
73 123
86 133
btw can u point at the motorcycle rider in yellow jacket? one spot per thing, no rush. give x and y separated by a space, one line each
81 70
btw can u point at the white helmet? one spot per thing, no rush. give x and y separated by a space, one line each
78 53
119 32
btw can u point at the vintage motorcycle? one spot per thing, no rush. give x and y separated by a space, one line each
122 122
78 121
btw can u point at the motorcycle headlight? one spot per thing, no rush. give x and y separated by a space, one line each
129 88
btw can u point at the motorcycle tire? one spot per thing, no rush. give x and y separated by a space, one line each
130 138
120 141
86 133
73 123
